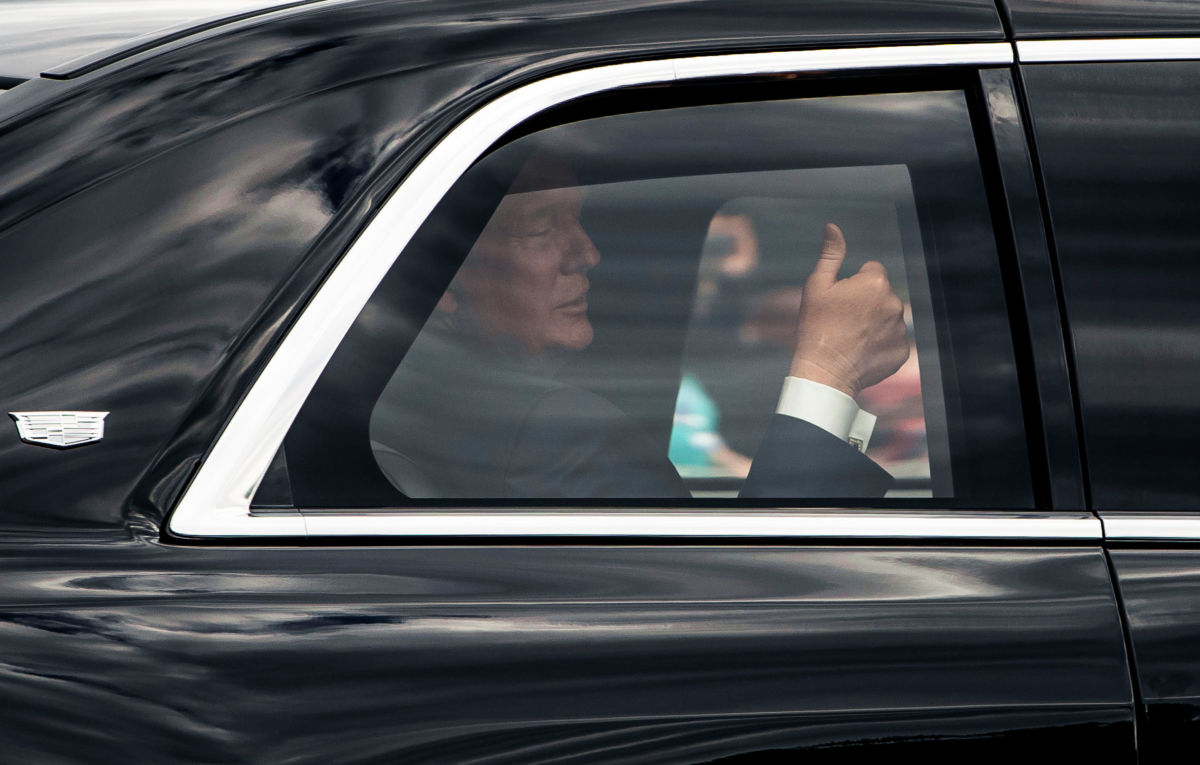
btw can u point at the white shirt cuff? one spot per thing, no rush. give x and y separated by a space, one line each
827 408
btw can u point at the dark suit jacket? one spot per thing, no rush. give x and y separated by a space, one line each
461 420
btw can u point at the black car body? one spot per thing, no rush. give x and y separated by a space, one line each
183 218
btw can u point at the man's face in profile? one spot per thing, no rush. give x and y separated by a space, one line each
526 276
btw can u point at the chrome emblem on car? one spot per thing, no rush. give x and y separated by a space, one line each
60 430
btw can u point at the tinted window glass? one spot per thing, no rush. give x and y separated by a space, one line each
622 307
1120 149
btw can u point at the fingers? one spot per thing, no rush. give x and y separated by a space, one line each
833 252
873 268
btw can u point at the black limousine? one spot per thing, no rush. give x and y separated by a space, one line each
623 381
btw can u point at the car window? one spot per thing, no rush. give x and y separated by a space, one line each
761 300
1118 143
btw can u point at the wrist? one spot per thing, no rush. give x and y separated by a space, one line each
808 370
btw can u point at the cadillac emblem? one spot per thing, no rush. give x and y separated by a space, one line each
60 430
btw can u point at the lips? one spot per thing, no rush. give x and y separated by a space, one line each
578 304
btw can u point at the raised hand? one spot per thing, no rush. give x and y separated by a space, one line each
851 332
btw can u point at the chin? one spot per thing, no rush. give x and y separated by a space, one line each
575 338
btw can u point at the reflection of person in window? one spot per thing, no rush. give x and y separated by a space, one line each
474 407
729 263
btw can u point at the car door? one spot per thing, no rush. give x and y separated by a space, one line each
867 641
1115 125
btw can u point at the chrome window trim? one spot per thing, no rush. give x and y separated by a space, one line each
216 503
1134 526
657 523
1122 49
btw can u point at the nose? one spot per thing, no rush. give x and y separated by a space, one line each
582 254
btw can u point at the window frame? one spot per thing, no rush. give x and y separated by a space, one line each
217 502
328 464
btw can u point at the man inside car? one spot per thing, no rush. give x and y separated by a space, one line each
476 408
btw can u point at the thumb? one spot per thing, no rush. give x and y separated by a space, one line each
833 252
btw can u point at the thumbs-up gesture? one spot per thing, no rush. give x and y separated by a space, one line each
851 332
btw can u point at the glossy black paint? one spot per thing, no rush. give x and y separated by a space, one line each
1158 588
1058 430
1032 19
191 27
119 650
1119 146
35 36
303 125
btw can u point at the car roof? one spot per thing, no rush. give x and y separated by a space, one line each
41 35
64 39
1033 19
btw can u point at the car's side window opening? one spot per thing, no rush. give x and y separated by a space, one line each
625 308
